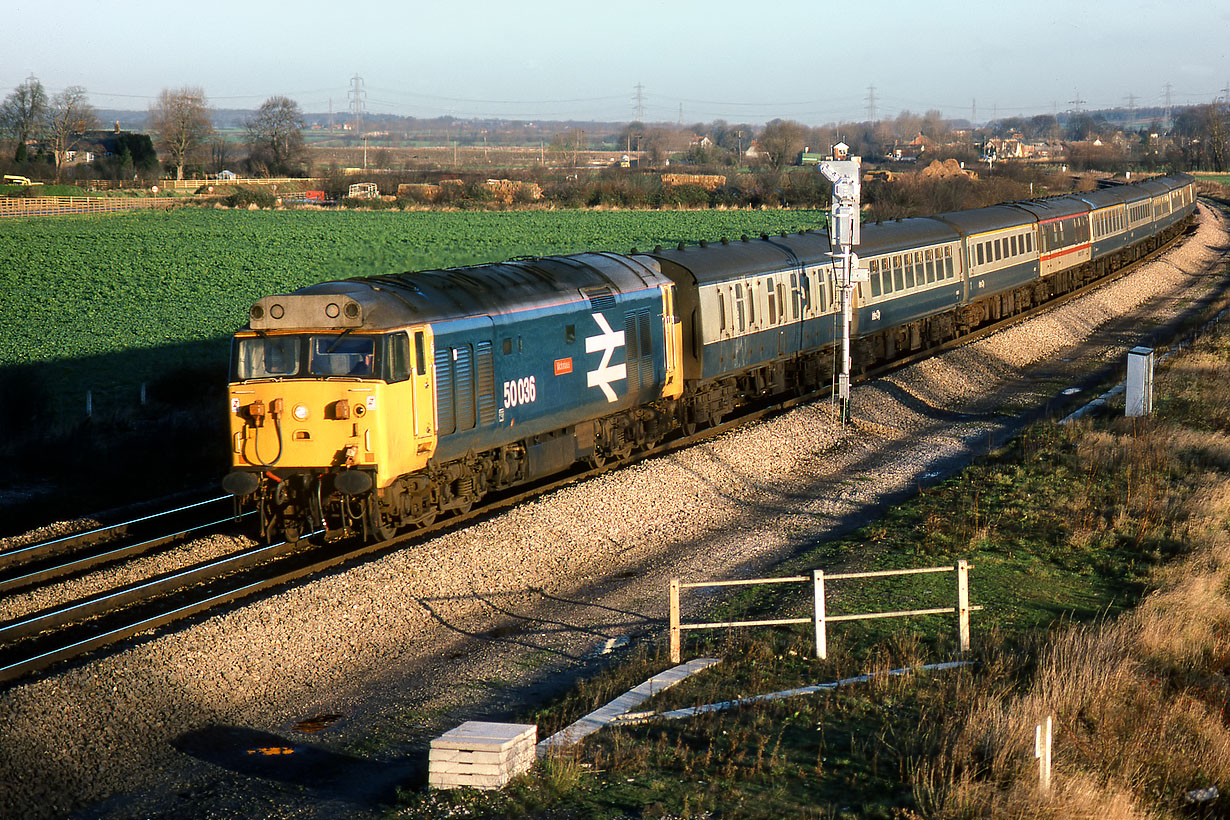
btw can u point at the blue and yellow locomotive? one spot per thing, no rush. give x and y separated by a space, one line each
376 404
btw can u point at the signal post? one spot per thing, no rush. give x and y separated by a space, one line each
844 172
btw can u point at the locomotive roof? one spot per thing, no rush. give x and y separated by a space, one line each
395 300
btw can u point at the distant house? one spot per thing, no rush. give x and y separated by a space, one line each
754 151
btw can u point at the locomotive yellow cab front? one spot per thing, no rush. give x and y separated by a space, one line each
316 412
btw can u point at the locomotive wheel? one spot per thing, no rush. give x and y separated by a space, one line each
597 460
381 527
688 424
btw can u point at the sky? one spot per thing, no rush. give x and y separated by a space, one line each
745 61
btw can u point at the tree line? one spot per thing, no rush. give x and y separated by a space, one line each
179 121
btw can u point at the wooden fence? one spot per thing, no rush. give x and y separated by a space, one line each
821 619
57 205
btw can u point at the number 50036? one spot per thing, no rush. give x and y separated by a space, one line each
521 391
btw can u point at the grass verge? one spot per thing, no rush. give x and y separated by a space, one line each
1101 552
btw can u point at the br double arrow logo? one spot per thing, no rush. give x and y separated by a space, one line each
606 373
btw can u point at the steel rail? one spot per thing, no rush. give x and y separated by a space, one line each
45 549
111 556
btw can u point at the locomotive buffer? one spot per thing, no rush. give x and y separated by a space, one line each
843 171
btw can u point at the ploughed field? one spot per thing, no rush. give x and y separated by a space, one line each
169 287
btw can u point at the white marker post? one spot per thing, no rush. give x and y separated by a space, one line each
1042 751
844 172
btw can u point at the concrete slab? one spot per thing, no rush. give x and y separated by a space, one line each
598 718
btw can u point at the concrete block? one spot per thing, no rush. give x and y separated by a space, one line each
481 755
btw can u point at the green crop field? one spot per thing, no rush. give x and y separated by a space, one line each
175 284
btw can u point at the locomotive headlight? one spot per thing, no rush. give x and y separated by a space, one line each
301 412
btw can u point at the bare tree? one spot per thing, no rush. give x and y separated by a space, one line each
219 153
180 119
275 135
69 116
783 140
24 114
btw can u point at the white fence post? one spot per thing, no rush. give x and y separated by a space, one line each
822 639
675 633
963 605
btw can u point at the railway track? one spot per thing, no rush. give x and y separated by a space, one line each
35 564
38 641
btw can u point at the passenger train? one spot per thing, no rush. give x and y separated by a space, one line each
370 405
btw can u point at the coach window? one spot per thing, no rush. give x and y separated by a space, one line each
980 257
873 276
739 307
898 274
948 262
751 306
721 312
772 302
909 271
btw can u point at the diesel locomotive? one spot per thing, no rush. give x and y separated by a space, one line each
370 405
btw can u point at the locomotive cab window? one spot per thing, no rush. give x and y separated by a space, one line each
273 357
396 358
266 357
420 353
342 355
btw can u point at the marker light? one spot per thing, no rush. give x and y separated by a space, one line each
301 412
